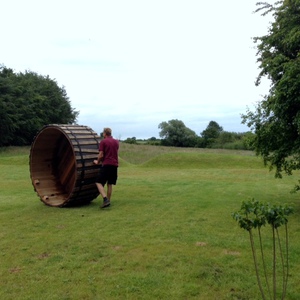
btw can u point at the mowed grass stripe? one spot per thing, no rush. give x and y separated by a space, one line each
200 160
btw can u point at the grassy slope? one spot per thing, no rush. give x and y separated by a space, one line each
168 234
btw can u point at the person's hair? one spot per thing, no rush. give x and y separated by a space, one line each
107 131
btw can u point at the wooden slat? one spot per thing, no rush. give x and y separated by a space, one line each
68 173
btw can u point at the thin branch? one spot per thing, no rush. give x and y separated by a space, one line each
287 261
264 263
256 265
282 262
274 263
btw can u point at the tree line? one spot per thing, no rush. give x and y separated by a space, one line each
174 133
29 101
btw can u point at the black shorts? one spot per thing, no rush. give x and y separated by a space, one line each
107 174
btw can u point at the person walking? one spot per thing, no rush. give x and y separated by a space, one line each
108 159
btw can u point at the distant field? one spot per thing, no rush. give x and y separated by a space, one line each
168 234
138 154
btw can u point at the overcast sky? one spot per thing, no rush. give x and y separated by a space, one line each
132 64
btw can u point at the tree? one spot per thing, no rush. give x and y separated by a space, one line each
211 133
175 133
226 137
248 140
29 101
276 119
131 140
153 141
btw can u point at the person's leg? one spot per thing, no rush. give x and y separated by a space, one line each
101 190
100 183
111 180
109 191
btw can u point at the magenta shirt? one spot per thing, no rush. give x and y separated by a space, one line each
110 148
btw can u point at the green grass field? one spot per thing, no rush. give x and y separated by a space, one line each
168 234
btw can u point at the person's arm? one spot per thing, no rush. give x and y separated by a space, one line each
98 161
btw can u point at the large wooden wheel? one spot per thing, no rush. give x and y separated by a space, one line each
61 164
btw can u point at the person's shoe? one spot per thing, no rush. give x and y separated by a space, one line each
105 204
